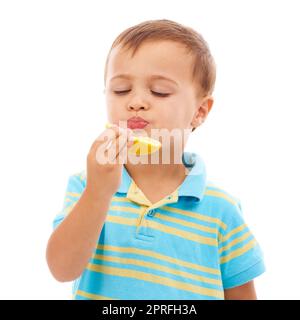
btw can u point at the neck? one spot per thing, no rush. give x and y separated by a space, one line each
157 170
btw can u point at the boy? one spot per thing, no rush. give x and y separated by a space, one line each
153 230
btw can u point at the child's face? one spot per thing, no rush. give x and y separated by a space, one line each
163 103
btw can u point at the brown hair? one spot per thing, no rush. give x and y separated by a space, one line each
204 69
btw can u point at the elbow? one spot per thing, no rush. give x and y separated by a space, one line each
59 270
60 276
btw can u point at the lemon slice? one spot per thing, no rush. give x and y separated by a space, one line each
142 145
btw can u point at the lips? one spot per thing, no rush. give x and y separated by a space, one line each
136 123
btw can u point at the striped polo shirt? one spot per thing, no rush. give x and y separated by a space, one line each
190 245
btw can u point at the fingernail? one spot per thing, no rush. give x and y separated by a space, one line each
109 125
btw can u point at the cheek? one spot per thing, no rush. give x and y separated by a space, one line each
185 109
117 103
178 111
109 100
111 108
169 119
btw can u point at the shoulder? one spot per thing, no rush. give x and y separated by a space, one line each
220 194
78 178
76 184
223 204
220 197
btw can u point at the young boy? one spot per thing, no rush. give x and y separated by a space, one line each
153 230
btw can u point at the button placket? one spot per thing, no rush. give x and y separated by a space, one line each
145 211
146 233
141 217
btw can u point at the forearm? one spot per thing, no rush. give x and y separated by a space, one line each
243 292
71 245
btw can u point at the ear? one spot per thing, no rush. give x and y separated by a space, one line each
202 111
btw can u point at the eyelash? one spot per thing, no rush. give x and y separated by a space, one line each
162 95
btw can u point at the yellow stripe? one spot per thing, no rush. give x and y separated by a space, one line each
159 256
125 209
186 223
92 296
156 266
167 218
120 272
235 241
196 215
232 232
166 229
121 220
73 194
186 213
184 234
122 199
219 194
69 208
238 252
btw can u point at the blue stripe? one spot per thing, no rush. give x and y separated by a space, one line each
159 262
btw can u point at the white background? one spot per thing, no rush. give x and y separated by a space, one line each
52 55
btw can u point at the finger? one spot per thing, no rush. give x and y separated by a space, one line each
106 154
122 155
111 129
106 137
117 146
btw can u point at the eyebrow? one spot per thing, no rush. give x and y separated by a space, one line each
153 77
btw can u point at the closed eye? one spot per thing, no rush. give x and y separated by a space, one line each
121 92
159 94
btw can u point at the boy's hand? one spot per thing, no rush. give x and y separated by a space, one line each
105 160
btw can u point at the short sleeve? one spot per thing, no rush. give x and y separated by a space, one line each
75 187
241 257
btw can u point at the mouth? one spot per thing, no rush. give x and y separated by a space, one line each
137 123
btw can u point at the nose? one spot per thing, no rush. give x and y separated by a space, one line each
137 107
137 104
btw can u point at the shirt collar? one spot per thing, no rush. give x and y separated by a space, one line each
193 185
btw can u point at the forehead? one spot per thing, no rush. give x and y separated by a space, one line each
153 57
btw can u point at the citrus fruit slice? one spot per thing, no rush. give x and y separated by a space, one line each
142 145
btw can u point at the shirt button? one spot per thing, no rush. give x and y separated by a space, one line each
151 213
